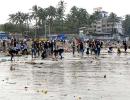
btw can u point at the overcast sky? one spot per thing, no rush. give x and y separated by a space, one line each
120 7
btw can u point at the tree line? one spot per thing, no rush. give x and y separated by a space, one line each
54 20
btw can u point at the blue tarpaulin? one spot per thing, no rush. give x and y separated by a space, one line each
4 36
59 37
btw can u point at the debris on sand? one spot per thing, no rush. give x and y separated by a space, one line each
11 82
45 92
12 68
105 76
25 87
42 91
38 91
79 98
33 63
91 61
65 94
41 63
37 66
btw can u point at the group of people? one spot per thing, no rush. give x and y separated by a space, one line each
118 45
17 47
47 48
54 49
90 47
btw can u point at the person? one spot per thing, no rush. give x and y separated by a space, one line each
46 48
60 49
98 48
92 47
55 51
73 48
81 48
25 49
12 51
51 47
118 47
37 44
125 46
11 54
44 54
33 49
18 46
4 45
87 47
110 50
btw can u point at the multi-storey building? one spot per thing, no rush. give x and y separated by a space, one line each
103 26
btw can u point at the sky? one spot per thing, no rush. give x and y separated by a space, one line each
120 7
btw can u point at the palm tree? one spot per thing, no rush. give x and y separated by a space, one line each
18 18
51 14
60 12
26 19
42 14
34 16
12 18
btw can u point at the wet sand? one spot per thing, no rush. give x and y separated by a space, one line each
106 77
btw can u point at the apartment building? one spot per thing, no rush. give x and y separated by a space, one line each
103 28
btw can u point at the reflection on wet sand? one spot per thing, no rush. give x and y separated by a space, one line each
73 78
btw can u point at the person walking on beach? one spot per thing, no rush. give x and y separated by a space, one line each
73 48
118 47
125 46
81 48
33 49
87 47
98 48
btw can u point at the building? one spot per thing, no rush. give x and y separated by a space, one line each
103 27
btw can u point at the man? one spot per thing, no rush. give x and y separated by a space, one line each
81 48
73 48
125 46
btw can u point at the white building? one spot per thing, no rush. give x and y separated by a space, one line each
103 28
103 25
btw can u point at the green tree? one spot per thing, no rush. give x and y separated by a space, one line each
60 13
8 27
77 18
19 19
51 14
35 16
42 14
113 19
126 25
92 21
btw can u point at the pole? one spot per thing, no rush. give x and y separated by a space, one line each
49 29
36 29
45 29
62 24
